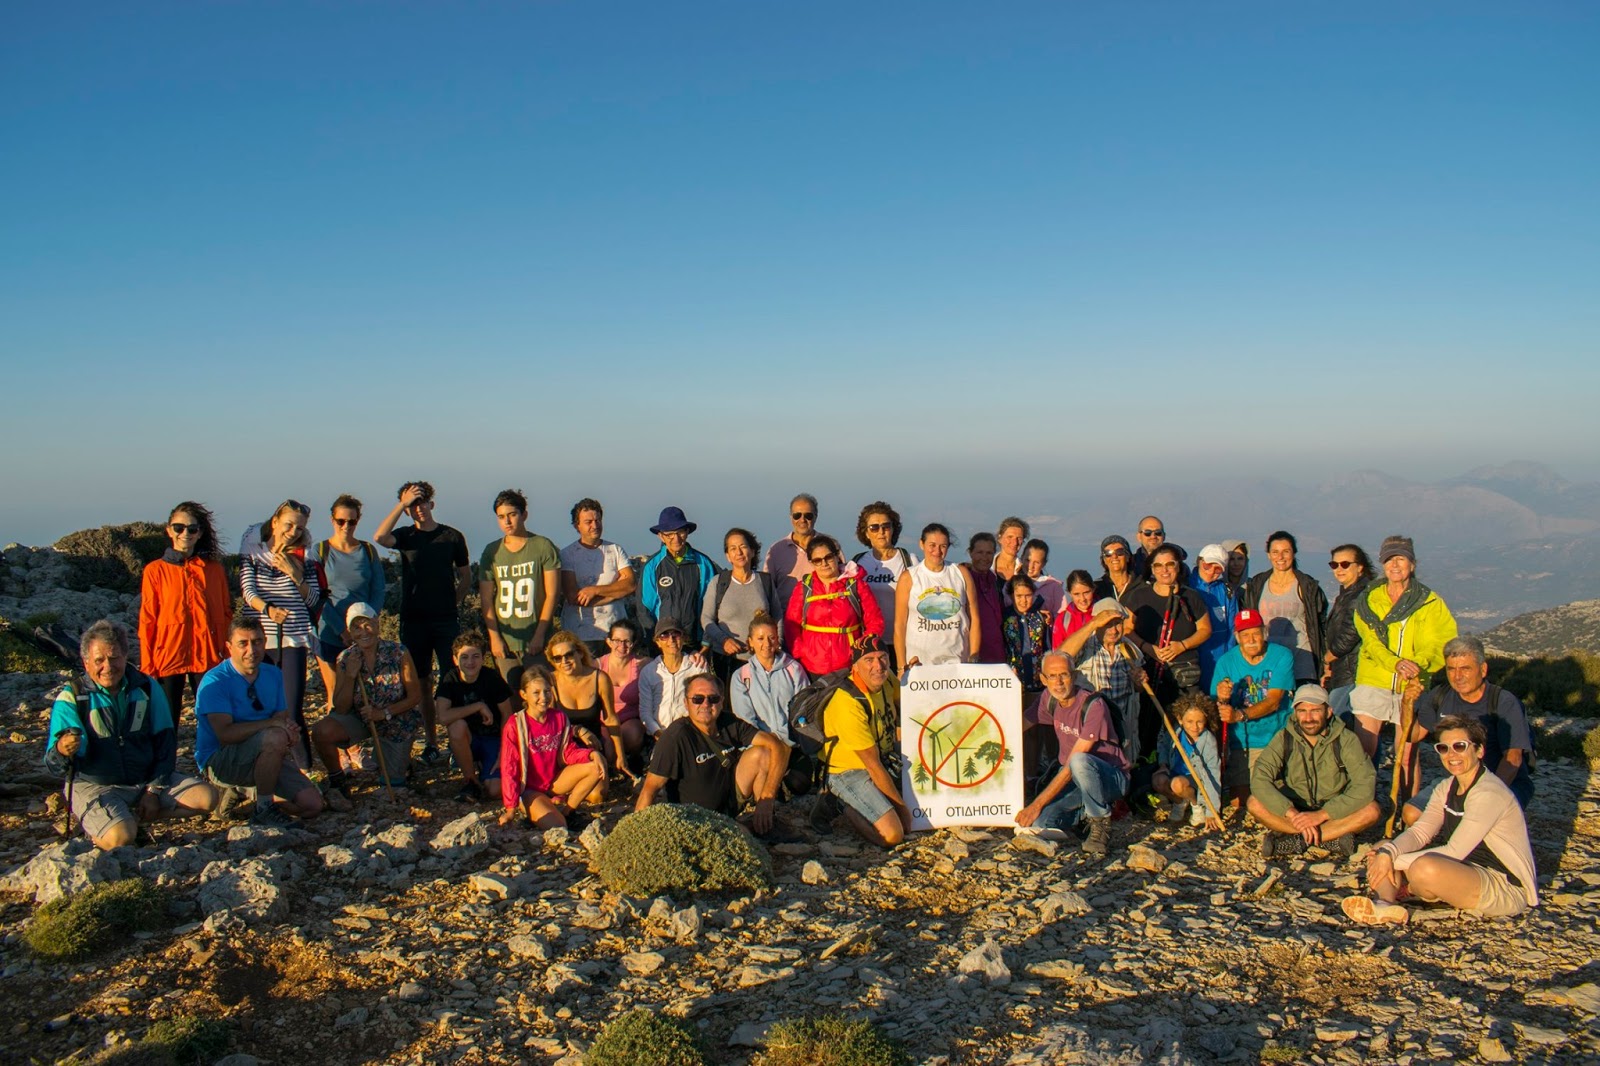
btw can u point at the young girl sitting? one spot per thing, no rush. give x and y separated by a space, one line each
1198 726
544 770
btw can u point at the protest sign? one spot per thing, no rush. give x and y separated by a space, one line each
961 733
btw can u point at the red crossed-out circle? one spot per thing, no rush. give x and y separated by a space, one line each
955 747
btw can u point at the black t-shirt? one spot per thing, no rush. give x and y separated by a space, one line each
1149 615
1502 715
428 562
700 769
489 688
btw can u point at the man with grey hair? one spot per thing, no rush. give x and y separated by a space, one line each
1109 663
112 737
1470 695
789 559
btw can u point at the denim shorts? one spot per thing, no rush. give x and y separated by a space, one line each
486 755
854 788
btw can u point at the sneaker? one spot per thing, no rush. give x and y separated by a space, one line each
1179 812
270 816
1365 910
1197 814
1341 847
823 811
471 792
1276 845
1098 843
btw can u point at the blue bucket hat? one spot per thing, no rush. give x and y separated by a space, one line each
673 518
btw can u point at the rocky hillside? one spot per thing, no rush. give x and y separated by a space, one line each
418 930
1554 632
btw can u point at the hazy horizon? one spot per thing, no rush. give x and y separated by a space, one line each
978 262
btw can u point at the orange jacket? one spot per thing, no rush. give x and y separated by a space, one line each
184 611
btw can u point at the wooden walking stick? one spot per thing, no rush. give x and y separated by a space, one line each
1402 756
1177 742
377 744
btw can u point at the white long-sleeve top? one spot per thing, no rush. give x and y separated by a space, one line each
661 691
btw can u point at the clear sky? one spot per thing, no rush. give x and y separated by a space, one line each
708 254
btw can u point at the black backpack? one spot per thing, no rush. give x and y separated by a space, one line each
807 729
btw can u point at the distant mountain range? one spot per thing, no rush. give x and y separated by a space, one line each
1555 631
1496 542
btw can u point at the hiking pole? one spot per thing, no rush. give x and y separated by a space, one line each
1402 756
1177 742
72 778
377 745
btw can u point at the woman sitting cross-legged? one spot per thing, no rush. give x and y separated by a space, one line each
1469 849
545 772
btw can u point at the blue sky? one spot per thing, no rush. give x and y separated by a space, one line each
982 257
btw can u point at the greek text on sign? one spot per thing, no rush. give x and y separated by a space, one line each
961 732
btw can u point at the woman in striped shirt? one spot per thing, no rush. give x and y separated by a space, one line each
274 583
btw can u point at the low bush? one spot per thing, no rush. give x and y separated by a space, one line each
644 1038
830 1040
111 557
670 847
17 656
1569 685
74 927
181 1041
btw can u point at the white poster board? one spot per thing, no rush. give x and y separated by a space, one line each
961 735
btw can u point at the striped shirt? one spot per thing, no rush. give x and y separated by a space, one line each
260 580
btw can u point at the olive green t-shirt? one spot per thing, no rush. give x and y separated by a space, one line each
518 580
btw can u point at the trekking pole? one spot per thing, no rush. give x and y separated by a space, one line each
1177 742
72 778
377 745
1402 756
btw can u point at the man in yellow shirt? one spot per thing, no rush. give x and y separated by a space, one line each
862 716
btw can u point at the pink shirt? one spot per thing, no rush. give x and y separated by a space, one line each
532 754
627 693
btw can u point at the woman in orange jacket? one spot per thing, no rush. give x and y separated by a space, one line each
184 605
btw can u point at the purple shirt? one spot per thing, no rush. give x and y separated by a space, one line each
1072 721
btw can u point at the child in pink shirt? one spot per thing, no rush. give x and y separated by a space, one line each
544 770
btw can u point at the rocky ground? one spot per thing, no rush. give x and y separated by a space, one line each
418 930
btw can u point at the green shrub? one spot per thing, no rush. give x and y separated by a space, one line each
830 1040
100 916
111 557
190 1041
644 1038
1569 685
182 1041
17 656
671 847
41 618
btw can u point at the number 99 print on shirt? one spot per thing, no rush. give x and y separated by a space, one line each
518 579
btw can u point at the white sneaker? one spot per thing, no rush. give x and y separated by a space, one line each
1197 814
1178 812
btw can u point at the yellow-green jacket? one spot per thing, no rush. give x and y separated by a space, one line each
1421 637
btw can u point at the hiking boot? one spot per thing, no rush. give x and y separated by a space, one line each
270 816
826 808
1341 848
1275 845
1098 843
430 755
471 792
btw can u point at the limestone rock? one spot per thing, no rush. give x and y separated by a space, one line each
248 889
988 962
1146 859
461 839
63 868
813 873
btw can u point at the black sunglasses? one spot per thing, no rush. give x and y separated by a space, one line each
806 515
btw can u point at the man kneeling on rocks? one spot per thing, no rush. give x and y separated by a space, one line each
1093 771
862 717
245 735
112 736
1312 784
716 760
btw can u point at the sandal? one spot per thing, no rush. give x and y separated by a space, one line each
1365 910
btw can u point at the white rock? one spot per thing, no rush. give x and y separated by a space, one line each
63 868
813 873
247 889
461 838
686 924
986 961
641 963
529 947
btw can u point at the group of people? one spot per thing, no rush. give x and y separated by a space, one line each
1206 691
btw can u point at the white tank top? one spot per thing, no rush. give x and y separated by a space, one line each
938 615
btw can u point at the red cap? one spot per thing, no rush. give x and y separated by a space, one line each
1247 619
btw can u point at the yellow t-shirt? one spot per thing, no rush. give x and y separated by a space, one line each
846 719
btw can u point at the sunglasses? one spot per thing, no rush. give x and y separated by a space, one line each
1457 746
703 700
255 701
563 657
183 528
819 560
1341 564
804 516
346 521
1114 553
879 527
670 636
295 505
1152 532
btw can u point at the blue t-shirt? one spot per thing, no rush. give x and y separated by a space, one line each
1250 685
226 691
